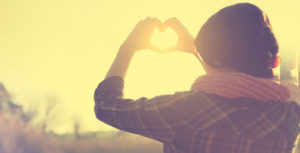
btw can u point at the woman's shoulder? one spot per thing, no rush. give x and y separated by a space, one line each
294 91
244 102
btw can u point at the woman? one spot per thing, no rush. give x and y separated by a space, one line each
237 107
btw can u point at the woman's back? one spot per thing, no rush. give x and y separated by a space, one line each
206 119
241 126
237 107
225 117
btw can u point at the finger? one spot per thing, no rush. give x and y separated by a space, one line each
175 24
149 24
147 18
170 49
156 49
153 22
156 21
161 27
139 25
146 21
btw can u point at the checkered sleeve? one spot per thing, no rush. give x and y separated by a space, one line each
153 118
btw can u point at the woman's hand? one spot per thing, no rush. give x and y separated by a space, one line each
140 37
185 41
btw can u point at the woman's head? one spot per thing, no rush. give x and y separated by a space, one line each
239 37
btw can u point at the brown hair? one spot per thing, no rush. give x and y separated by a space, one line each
238 36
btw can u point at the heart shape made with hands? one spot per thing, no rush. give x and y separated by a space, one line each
163 38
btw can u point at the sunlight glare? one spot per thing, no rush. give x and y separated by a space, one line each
165 39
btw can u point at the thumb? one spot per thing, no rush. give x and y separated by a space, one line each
170 49
154 48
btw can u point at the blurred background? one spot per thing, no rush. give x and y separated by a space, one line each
53 54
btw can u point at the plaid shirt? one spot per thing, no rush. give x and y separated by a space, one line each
196 122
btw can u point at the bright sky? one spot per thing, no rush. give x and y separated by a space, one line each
63 48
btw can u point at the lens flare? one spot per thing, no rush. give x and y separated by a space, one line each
165 39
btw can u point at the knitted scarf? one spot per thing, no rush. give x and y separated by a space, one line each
237 85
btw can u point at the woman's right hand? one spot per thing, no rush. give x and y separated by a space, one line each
185 41
140 37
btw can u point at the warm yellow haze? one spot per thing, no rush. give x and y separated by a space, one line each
63 49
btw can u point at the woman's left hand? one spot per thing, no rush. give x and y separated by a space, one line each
185 41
